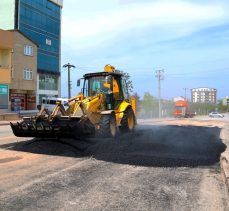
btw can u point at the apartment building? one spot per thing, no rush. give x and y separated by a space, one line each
40 20
226 101
203 95
6 49
20 64
24 73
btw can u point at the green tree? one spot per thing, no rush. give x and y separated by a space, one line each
137 97
149 106
222 108
202 108
129 82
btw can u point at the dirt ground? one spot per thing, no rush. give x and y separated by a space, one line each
163 165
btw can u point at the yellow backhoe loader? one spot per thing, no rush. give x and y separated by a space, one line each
102 108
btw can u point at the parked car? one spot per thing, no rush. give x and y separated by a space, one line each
215 114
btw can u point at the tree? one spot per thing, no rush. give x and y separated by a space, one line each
129 82
136 96
202 108
149 105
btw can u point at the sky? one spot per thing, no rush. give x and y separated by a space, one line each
188 39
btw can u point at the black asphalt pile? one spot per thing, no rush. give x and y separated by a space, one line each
157 146
164 146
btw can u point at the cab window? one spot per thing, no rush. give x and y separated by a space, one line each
117 91
124 89
96 85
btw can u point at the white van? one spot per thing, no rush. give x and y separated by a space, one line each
50 102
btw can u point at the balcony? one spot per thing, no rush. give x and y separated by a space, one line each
5 74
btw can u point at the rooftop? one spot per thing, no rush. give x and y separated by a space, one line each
57 2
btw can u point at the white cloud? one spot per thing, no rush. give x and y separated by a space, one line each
163 14
126 35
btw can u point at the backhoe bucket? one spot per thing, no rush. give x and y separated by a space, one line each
58 128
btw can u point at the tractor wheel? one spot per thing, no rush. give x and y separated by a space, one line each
128 121
108 126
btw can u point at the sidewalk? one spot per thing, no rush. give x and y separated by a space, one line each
2 123
6 118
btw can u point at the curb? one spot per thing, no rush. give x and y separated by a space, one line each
224 157
225 169
4 123
224 163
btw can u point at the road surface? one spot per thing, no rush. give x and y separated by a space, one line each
164 165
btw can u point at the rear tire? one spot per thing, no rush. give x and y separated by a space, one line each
128 121
108 126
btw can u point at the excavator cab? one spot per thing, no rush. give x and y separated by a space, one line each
94 85
103 107
110 84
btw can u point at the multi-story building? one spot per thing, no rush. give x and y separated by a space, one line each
19 73
6 49
203 95
226 101
40 20
24 73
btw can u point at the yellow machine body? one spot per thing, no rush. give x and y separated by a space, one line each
103 105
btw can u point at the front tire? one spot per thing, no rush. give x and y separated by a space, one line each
128 121
108 128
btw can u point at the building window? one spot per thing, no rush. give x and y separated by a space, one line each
48 82
27 74
28 50
48 42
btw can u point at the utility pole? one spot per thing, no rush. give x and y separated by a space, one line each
69 66
160 76
185 93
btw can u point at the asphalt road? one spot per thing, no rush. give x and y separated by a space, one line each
165 166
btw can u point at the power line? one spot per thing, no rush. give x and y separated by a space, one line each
223 69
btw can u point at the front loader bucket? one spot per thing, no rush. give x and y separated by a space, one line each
58 128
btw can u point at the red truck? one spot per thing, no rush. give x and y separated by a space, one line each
181 109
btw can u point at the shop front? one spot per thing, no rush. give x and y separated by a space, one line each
22 101
4 96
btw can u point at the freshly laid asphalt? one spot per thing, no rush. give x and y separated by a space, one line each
161 166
